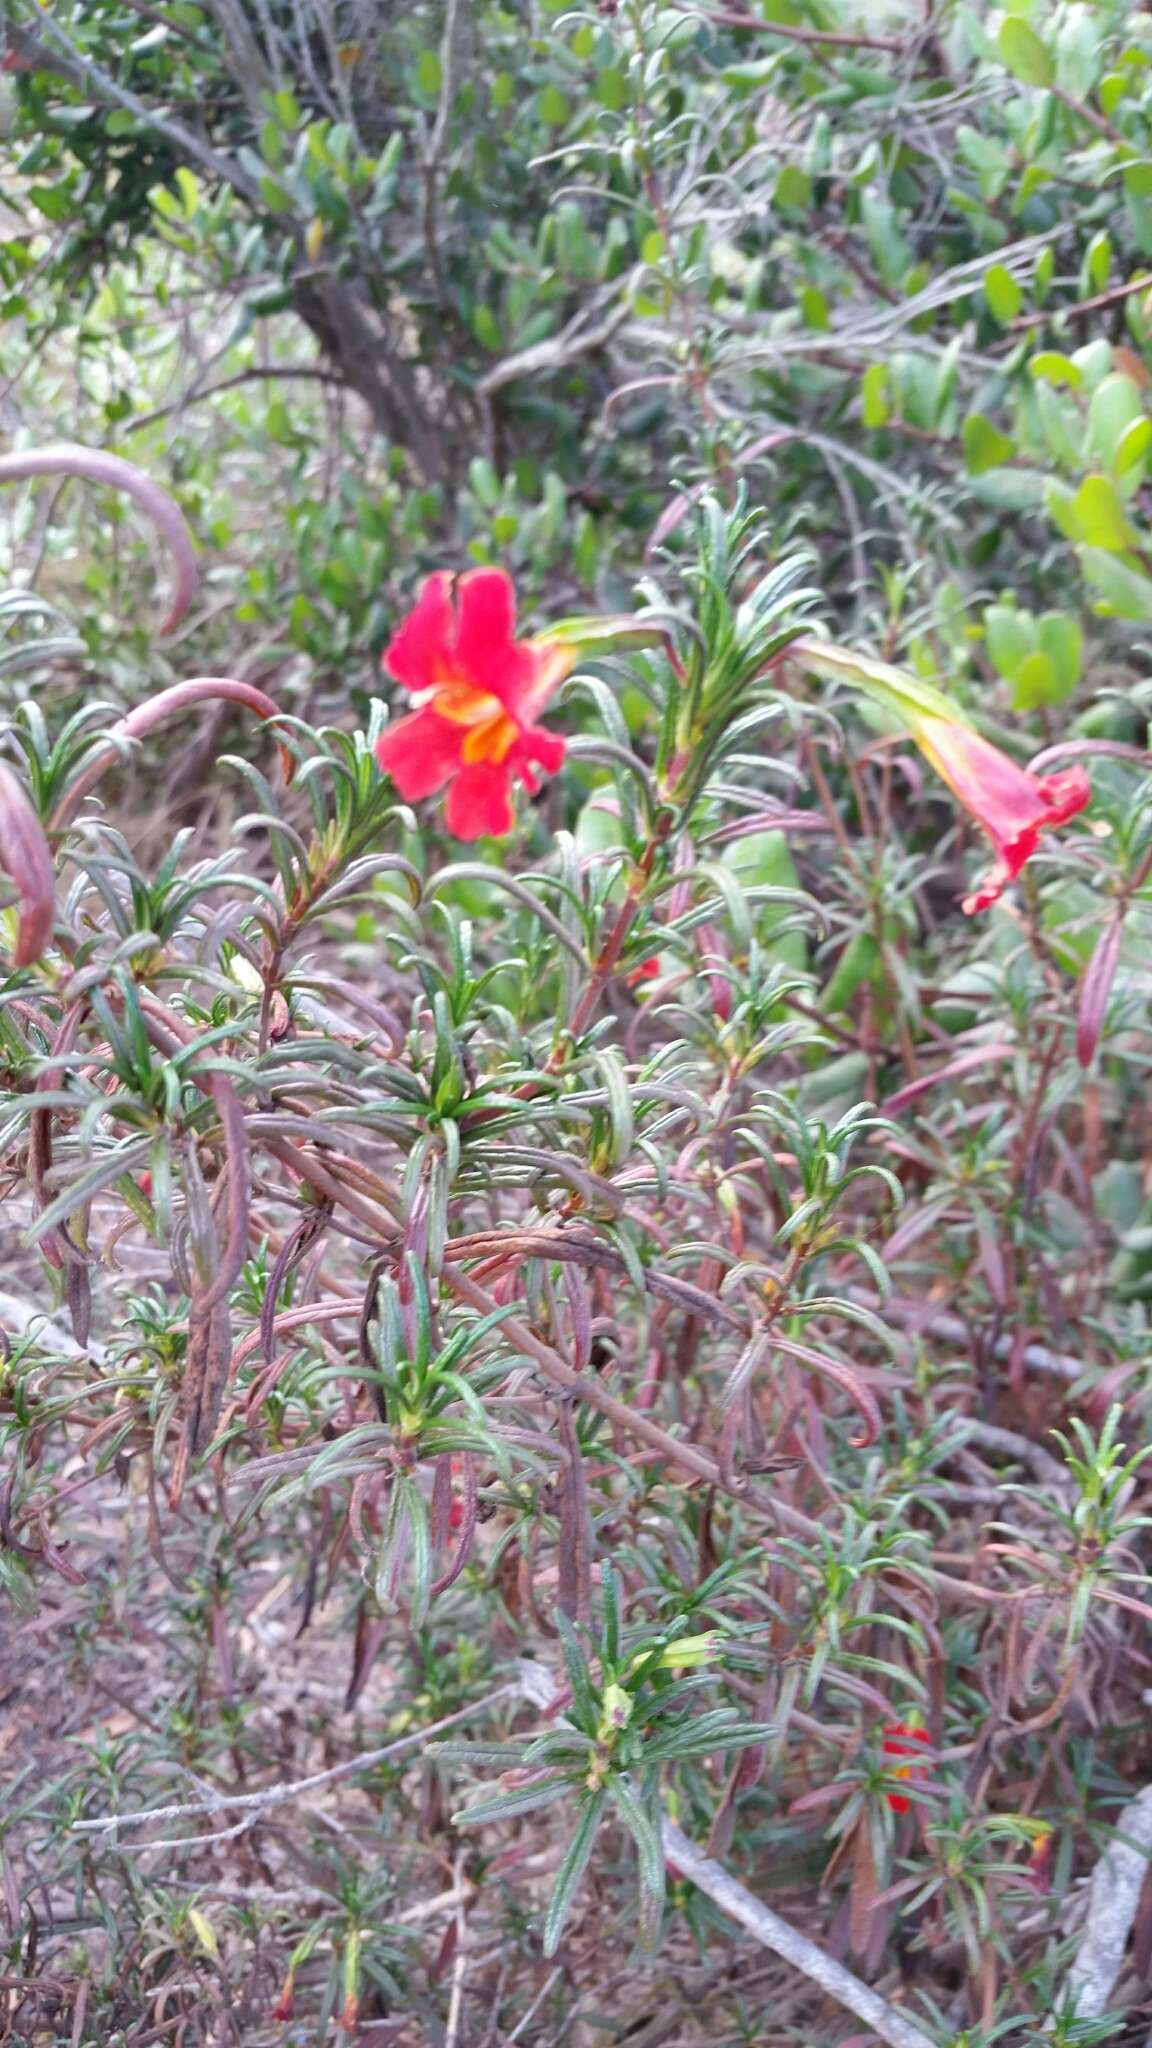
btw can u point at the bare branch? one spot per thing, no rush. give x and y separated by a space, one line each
281 1795
1113 1895
785 1941
576 340
739 18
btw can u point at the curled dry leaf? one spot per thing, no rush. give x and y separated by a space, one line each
1095 989
97 466
27 858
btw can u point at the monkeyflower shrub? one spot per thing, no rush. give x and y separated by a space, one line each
615 1262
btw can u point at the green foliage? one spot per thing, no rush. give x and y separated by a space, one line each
665 1296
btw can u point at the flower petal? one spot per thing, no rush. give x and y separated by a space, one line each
420 753
420 652
546 748
479 802
1012 805
486 652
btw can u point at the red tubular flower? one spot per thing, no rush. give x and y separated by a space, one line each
647 971
1012 805
903 1738
478 691
286 2003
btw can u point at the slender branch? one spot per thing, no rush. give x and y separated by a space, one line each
1097 121
73 61
449 50
1102 300
843 39
1113 1896
542 357
787 1942
280 1795
258 373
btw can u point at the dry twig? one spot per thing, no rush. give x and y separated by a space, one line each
1113 1895
795 1948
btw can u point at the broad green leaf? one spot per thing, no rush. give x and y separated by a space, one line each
1098 262
1138 180
874 406
189 188
1116 404
1061 507
1100 515
1126 592
1035 682
1113 87
1079 50
1130 451
612 89
1011 490
1051 367
1062 421
859 962
428 72
984 444
1010 637
1023 52
913 381
486 327
881 222
552 106
1093 360
1061 638
793 189
1003 294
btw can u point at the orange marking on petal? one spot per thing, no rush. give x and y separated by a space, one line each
491 741
461 704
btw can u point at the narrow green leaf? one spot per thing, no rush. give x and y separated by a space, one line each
572 1870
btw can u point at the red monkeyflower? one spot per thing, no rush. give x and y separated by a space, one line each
286 2003
1039 1866
478 691
904 1738
1011 804
647 971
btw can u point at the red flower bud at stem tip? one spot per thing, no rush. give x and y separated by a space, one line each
25 856
478 691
